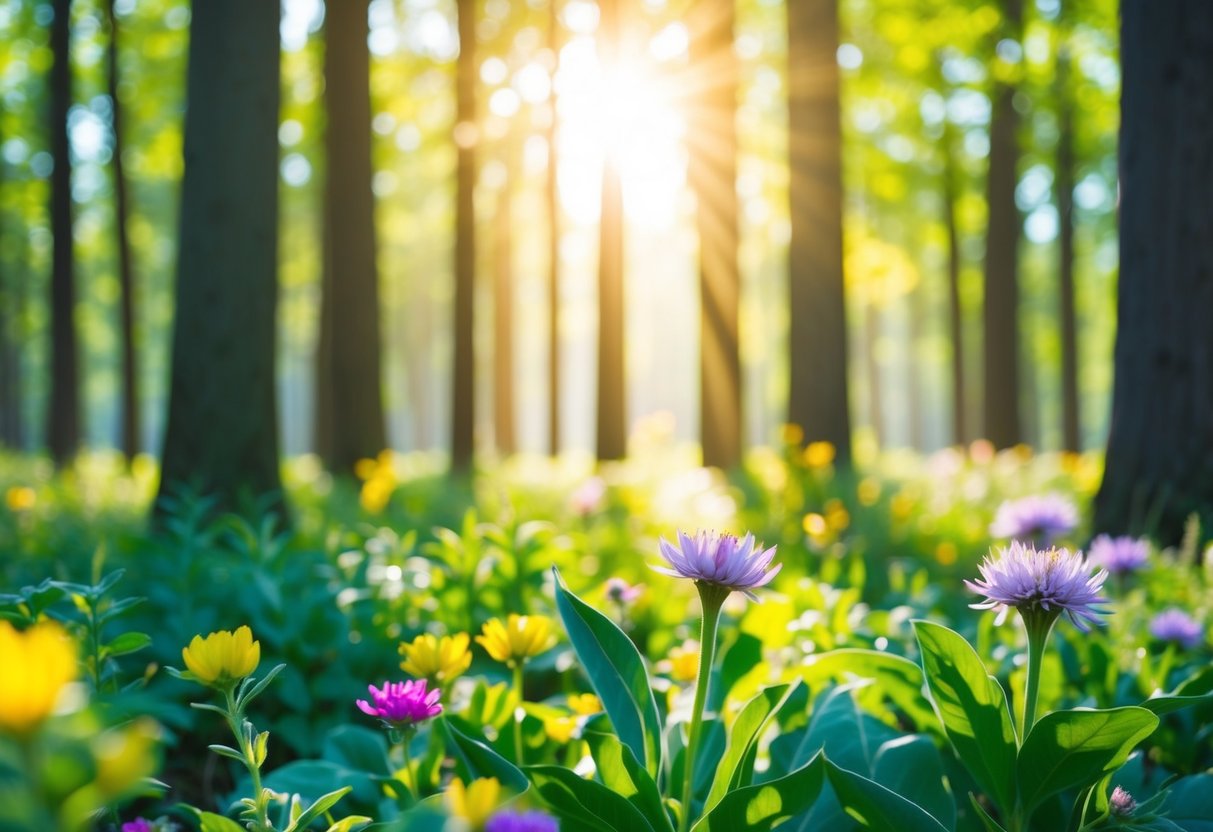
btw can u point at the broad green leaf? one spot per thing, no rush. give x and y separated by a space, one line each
1073 749
617 673
359 748
875 806
973 708
840 728
760 807
911 767
1165 704
737 766
480 760
127 643
586 801
1189 803
988 822
897 677
312 779
622 773
210 822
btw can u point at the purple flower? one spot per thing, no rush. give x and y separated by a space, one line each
1119 554
621 592
1042 518
1122 803
720 559
1175 625
137 825
522 822
1044 584
402 703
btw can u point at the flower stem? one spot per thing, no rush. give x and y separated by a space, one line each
1038 628
235 721
518 712
411 783
711 598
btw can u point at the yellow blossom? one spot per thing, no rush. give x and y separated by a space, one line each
868 491
475 802
20 498
223 657
518 638
584 704
837 516
945 553
560 728
440 660
37 664
126 755
684 662
819 454
792 434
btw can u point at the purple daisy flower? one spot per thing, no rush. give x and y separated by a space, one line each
402 704
1041 584
1177 626
1122 803
1119 555
522 822
721 560
621 592
1042 518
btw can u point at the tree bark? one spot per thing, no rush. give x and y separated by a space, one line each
817 337
463 410
222 432
63 417
713 178
354 410
960 433
552 195
612 405
1159 467
1002 417
10 380
503 320
1064 173
126 270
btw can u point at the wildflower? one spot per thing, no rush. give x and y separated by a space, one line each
588 497
1041 584
585 704
720 560
223 657
791 434
475 802
1119 555
560 728
137 825
819 454
621 592
684 662
441 660
1176 626
402 704
37 665
522 822
1042 518
20 498
125 756
518 638
1122 803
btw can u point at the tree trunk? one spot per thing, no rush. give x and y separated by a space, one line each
503 321
10 381
351 278
126 276
612 405
872 327
817 337
1002 418
222 432
1159 466
552 194
713 178
463 411
1064 173
960 433
63 417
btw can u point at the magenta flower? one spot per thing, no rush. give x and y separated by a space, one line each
721 560
401 704
1122 803
522 822
1119 555
621 592
1041 584
1040 518
137 825
1177 626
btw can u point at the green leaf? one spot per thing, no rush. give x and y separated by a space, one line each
911 767
359 748
616 672
1189 803
622 773
210 822
1169 703
988 822
482 761
736 768
127 643
1073 749
227 751
318 808
586 801
973 708
875 806
897 677
760 807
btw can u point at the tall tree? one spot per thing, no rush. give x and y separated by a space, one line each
353 412
713 177
63 415
222 432
817 338
463 410
612 404
10 382
1001 303
1064 179
503 316
1159 465
950 192
552 195
126 277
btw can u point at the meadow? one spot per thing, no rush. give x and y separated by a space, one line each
531 670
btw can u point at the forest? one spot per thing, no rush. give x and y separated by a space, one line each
371 369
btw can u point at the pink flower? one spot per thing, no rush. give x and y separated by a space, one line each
402 704
720 559
621 592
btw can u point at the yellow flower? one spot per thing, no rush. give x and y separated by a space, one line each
223 657
819 454
126 755
20 498
439 659
37 664
473 803
791 434
684 662
869 491
560 728
585 704
519 638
